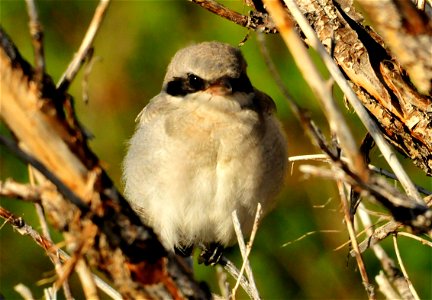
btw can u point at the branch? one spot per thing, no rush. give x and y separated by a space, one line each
27 158
370 125
257 20
79 57
13 189
49 247
406 30
44 124
410 211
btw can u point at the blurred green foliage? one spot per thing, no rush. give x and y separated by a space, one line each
134 47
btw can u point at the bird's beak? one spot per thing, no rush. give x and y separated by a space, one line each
220 87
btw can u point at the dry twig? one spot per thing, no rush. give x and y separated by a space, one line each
256 21
79 57
404 272
245 250
350 227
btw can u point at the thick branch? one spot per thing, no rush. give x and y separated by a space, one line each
44 126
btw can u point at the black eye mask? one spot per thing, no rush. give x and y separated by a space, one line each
181 86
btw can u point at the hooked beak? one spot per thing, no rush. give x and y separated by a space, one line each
220 87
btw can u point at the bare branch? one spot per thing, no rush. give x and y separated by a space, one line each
79 57
256 21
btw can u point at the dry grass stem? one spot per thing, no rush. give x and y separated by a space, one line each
402 267
234 272
350 227
377 170
306 157
245 251
399 282
309 234
50 293
415 237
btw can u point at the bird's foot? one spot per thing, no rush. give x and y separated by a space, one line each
184 251
211 254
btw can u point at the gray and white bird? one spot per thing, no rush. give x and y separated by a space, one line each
206 145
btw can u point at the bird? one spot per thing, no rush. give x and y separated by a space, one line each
207 145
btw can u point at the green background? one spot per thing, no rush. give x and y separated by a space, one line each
133 47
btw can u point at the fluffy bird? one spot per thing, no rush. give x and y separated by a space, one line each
206 145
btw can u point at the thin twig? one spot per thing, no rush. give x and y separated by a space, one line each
397 203
79 57
245 254
223 11
364 116
243 251
234 272
36 33
350 227
415 237
402 266
377 170
387 263
256 21
309 234
50 293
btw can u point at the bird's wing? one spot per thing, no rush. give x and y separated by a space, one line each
264 102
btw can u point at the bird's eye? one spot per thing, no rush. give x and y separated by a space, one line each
195 82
